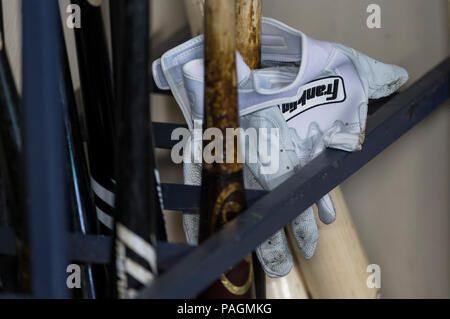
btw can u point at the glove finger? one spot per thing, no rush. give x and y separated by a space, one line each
379 79
339 137
385 79
325 207
191 227
306 233
274 255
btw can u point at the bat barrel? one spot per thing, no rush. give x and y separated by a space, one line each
82 209
12 162
222 194
248 21
138 205
98 101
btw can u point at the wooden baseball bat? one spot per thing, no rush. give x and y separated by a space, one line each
338 267
249 14
248 40
351 281
291 286
13 165
222 190
138 203
248 43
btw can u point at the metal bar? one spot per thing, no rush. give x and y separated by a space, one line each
44 149
187 198
163 132
328 170
97 249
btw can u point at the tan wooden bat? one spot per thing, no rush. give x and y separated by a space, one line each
248 39
292 285
338 268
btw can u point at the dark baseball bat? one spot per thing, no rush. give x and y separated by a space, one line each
82 208
119 44
98 105
98 101
8 264
13 165
222 190
138 205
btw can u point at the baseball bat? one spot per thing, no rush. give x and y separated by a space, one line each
119 45
248 35
98 102
13 165
98 105
222 190
338 268
138 201
248 43
248 40
350 283
4 273
292 286
116 28
4 214
83 218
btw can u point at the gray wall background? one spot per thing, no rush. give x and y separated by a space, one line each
400 200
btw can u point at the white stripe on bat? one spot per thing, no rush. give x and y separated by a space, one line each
104 218
138 245
104 194
138 272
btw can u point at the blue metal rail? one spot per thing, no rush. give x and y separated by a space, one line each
44 149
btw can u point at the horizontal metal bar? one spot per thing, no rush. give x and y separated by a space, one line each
163 133
224 249
187 198
97 249
90 248
13 296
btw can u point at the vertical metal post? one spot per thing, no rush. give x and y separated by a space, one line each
44 149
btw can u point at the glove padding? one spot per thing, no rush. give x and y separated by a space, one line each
316 94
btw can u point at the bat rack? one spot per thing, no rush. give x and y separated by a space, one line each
188 270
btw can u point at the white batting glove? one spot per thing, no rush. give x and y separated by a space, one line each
315 93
